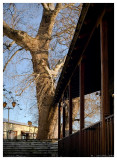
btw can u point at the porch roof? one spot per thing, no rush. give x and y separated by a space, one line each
86 39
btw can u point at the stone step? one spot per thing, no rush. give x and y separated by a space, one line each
28 140
30 148
18 147
17 143
35 146
27 144
30 154
30 151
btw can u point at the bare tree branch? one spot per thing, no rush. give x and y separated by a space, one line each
28 84
11 58
8 46
67 5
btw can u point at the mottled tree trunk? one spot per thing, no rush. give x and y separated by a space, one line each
44 84
44 91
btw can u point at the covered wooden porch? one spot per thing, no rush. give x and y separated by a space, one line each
89 68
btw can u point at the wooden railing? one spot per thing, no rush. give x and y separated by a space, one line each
110 135
88 142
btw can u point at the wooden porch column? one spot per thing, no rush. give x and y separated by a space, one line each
81 83
81 76
70 110
63 121
59 120
104 79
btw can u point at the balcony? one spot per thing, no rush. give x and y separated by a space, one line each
89 67
87 142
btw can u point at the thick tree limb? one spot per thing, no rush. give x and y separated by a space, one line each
48 20
51 6
58 6
20 37
45 6
58 67
48 6
53 73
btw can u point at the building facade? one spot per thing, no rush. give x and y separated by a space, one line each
17 130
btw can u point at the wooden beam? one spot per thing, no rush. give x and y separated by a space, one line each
83 35
81 76
70 109
59 120
104 79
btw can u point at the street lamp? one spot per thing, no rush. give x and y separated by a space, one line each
13 104
4 106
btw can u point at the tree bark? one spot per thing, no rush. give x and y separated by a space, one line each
44 92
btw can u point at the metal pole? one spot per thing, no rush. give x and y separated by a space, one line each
8 123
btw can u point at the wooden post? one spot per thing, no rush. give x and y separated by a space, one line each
59 120
63 121
81 76
70 110
104 79
81 95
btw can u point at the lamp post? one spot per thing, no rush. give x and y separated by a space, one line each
4 106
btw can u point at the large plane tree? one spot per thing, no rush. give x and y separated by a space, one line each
53 35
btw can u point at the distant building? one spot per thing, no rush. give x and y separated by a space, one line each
17 130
